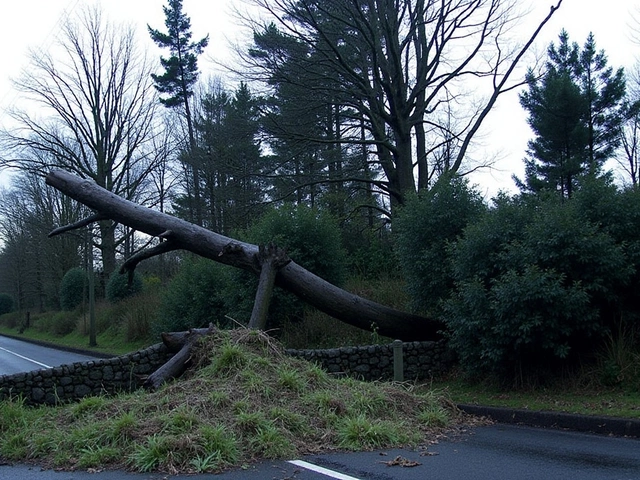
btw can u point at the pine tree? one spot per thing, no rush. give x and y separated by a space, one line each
179 77
575 112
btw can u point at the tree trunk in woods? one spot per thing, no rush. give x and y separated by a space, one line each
180 234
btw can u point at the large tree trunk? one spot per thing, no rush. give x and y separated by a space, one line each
180 234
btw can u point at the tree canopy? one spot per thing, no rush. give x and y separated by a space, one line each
575 111
389 74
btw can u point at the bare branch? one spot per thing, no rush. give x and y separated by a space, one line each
163 247
77 225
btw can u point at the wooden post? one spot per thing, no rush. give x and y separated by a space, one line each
92 296
398 361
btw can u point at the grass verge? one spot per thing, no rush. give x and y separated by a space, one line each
558 397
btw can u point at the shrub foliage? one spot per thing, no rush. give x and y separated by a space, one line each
72 288
6 303
532 284
118 287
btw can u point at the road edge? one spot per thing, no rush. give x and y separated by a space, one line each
620 427
57 346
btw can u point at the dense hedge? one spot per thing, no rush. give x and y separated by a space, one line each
532 284
72 288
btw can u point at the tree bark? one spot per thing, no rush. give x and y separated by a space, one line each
183 343
271 259
310 288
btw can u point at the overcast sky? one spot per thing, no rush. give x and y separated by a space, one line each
27 24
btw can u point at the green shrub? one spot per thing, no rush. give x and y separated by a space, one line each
59 323
12 320
536 285
72 288
118 287
310 238
6 303
425 227
193 297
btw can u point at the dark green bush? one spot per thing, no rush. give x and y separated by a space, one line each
6 303
118 287
536 286
194 297
57 323
425 227
72 288
311 238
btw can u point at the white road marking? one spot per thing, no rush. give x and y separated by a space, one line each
321 470
25 358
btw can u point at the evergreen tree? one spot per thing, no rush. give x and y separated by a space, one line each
575 112
178 79
227 127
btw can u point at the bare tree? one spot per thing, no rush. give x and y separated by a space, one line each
628 157
397 64
30 265
91 113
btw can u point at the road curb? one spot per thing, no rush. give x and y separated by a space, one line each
621 427
56 346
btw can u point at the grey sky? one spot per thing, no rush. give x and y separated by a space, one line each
34 23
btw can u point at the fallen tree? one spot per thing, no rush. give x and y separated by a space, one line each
177 234
180 343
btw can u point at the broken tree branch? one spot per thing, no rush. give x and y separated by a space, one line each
79 224
132 262
180 361
271 259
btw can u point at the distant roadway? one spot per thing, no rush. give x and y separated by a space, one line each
17 356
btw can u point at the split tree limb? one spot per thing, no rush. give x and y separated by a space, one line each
271 259
179 362
132 262
305 285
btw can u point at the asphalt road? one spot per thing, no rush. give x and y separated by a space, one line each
498 452
17 356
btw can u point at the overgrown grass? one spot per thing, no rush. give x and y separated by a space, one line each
565 395
243 401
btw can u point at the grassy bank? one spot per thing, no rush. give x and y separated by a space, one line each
107 342
244 402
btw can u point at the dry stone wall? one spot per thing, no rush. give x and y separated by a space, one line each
109 376
421 360
82 379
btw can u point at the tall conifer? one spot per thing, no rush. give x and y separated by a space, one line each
180 75
575 112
